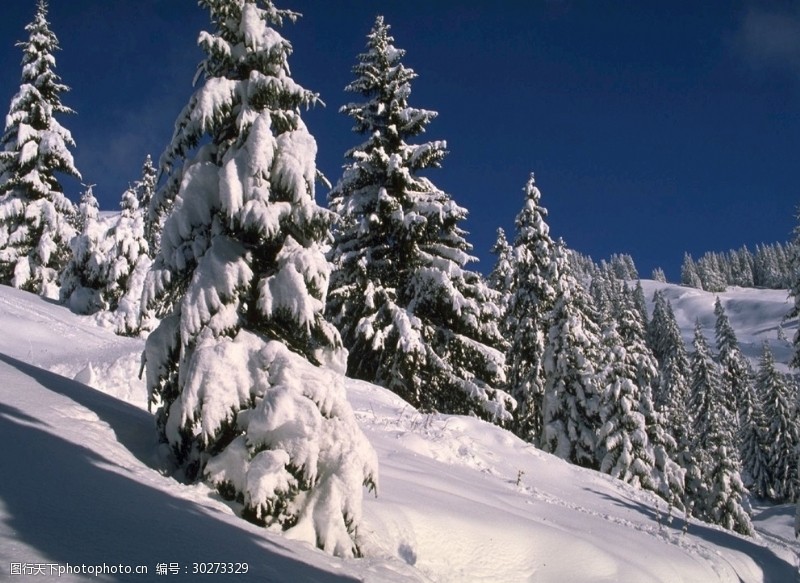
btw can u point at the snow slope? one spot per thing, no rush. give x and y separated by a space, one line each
459 499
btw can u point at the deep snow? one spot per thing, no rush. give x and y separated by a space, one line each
459 499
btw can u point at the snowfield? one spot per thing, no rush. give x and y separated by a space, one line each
459 499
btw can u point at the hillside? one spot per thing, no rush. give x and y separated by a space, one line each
459 499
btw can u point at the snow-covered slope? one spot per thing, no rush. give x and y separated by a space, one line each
459 500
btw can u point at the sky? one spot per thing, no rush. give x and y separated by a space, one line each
653 129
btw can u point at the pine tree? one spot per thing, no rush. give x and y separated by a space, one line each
534 293
659 275
782 433
414 319
689 275
502 276
753 447
128 263
85 276
35 215
145 189
624 449
714 481
571 392
240 283
737 375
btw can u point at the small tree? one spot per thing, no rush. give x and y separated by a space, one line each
243 365
35 216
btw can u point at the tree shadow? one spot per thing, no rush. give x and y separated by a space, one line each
774 568
74 505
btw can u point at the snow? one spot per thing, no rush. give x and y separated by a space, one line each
459 499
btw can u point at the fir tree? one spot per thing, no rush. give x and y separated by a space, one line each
753 447
658 275
714 482
502 276
782 435
736 373
145 189
85 276
571 392
414 319
35 216
240 283
534 293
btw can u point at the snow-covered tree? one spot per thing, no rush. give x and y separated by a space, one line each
245 370
782 433
35 215
145 189
533 286
414 319
623 448
570 408
85 277
689 275
753 448
128 264
659 275
502 276
714 482
737 376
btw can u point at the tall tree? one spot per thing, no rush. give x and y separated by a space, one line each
35 215
502 276
414 319
737 376
533 284
782 432
240 282
570 408
714 481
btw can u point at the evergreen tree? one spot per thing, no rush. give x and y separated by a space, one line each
624 449
571 392
240 283
128 264
753 447
714 481
534 293
737 376
414 319
84 278
689 274
782 434
35 216
659 275
145 189
502 275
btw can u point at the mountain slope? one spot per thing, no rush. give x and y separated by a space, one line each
459 499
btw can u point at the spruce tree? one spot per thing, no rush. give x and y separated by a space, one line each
414 319
502 276
737 375
534 293
35 215
782 434
753 447
145 189
570 406
714 483
85 276
244 367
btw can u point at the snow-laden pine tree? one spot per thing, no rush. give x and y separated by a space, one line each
85 276
782 433
534 290
659 275
35 215
245 370
737 376
714 484
145 189
414 319
634 442
623 448
570 405
501 278
753 447
128 263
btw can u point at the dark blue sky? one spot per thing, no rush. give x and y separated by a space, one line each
653 128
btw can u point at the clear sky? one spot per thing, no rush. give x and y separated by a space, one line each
654 128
